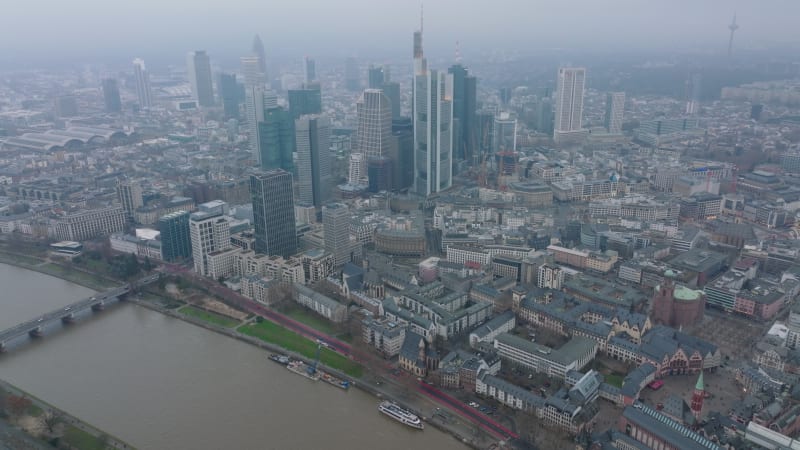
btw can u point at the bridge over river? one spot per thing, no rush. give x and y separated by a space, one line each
53 320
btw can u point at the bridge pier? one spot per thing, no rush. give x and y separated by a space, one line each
68 319
36 332
99 306
2 347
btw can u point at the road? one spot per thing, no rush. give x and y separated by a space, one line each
426 391
61 312
469 412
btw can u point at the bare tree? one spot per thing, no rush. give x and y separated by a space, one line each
51 420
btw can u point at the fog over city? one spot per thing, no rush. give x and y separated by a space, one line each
378 224
46 32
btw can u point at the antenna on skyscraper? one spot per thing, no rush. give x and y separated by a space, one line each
458 53
421 16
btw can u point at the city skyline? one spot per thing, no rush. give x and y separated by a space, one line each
687 25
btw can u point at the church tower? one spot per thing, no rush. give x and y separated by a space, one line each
697 397
663 298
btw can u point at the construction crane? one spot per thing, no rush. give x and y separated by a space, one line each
312 369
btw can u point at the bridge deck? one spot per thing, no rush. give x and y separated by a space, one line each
80 305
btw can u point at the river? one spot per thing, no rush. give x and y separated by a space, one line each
160 383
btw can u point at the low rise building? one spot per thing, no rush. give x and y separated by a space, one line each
321 304
573 355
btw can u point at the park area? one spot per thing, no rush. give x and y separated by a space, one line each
276 334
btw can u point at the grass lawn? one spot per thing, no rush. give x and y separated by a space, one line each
311 319
19 259
76 276
82 440
276 334
216 319
614 379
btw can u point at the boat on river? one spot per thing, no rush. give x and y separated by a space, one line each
401 414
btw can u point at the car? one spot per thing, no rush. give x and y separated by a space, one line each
473 404
483 409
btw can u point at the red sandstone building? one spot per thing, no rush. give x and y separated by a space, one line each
676 306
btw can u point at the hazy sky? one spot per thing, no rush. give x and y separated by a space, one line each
97 30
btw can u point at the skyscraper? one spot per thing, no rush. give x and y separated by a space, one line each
176 241
311 70
402 153
373 137
255 92
432 112
273 212
111 96
352 80
374 124
198 68
504 133
569 102
392 91
305 101
261 54
313 140
376 77
275 137
229 93
143 91
615 106
464 109
336 224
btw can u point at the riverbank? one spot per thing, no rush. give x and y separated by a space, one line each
76 433
383 388
381 391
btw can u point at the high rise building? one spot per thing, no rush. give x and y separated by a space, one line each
374 124
401 151
373 137
336 224
273 212
352 80
210 232
504 133
311 70
376 77
229 93
255 97
198 69
129 193
143 90
307 100
569 102
465 106
176 241
313 139
544 116
261 54
392 91
485 130
432 112
276 139
615 106
111 96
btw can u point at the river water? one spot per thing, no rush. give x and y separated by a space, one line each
160 383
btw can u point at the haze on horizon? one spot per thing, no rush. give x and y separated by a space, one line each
47 32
